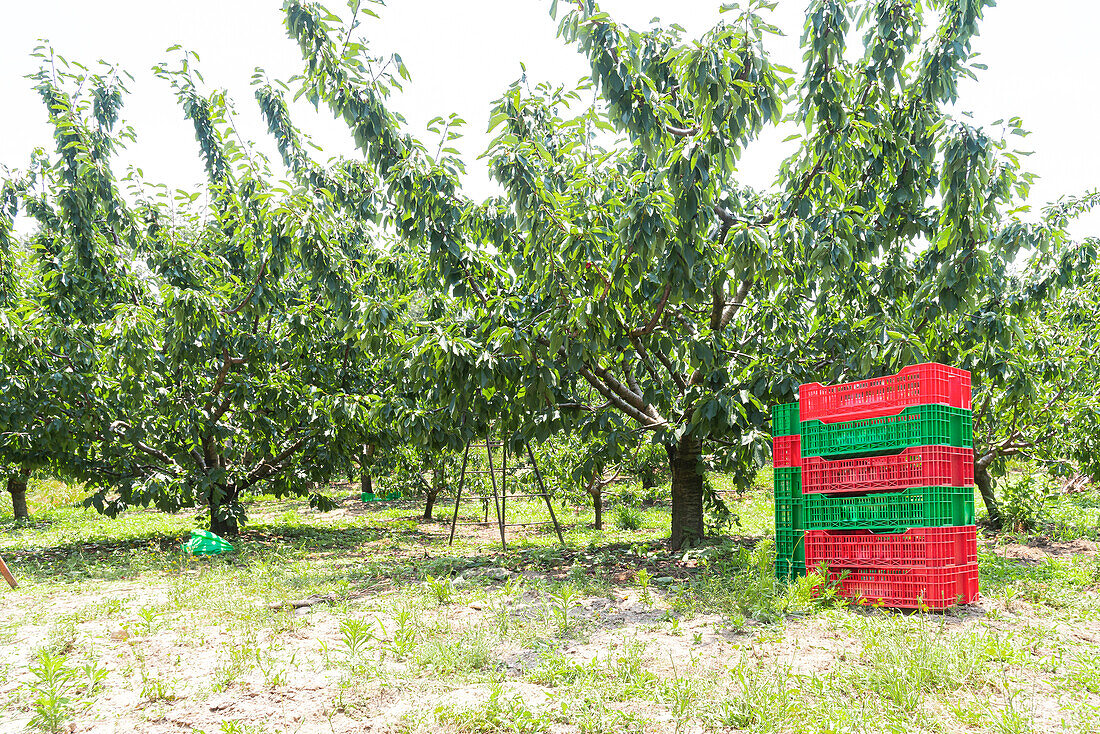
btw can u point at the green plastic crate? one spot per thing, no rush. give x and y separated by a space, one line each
788 498
918 507
789 544
920 425
787 481
787 570
790 553
789 514
785 419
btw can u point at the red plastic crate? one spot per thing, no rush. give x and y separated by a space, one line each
909 588
919 384
918 466
787 451
915 548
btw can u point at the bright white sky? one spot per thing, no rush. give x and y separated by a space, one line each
1042 60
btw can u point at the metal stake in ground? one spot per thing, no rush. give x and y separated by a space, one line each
7 574
493 480
545 494
458 496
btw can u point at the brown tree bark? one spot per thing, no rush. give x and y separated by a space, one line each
433 491
225 527
595 490
17 488
984 482
687 492
366 483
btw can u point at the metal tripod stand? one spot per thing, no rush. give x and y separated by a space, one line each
500 499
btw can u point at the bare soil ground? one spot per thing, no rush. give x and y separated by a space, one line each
536 639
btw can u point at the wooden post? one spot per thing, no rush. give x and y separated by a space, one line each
7 574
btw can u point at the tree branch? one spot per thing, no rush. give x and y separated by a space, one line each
267 468
728 221
223 372
631 382
473 284
615 400
717 301
120 426
200 461
1010 446
217 414
643 356
652 324
219 379
624 392
737 302
681 132
667 363
251 291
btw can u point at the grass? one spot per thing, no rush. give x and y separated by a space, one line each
610 633
500 713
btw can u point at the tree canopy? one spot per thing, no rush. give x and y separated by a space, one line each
641 268
623 282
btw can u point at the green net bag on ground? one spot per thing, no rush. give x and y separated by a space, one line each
205 543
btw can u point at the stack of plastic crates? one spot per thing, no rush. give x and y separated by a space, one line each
887 487
790 556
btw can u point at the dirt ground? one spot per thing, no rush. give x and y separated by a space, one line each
218 648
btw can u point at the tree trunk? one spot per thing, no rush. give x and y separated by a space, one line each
17 487
366 484
687 493
225 527
985 487
595 490
433 491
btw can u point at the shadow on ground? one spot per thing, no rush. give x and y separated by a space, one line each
257 544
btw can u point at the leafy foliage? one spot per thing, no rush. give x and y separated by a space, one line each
625 288
639 268
191 354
